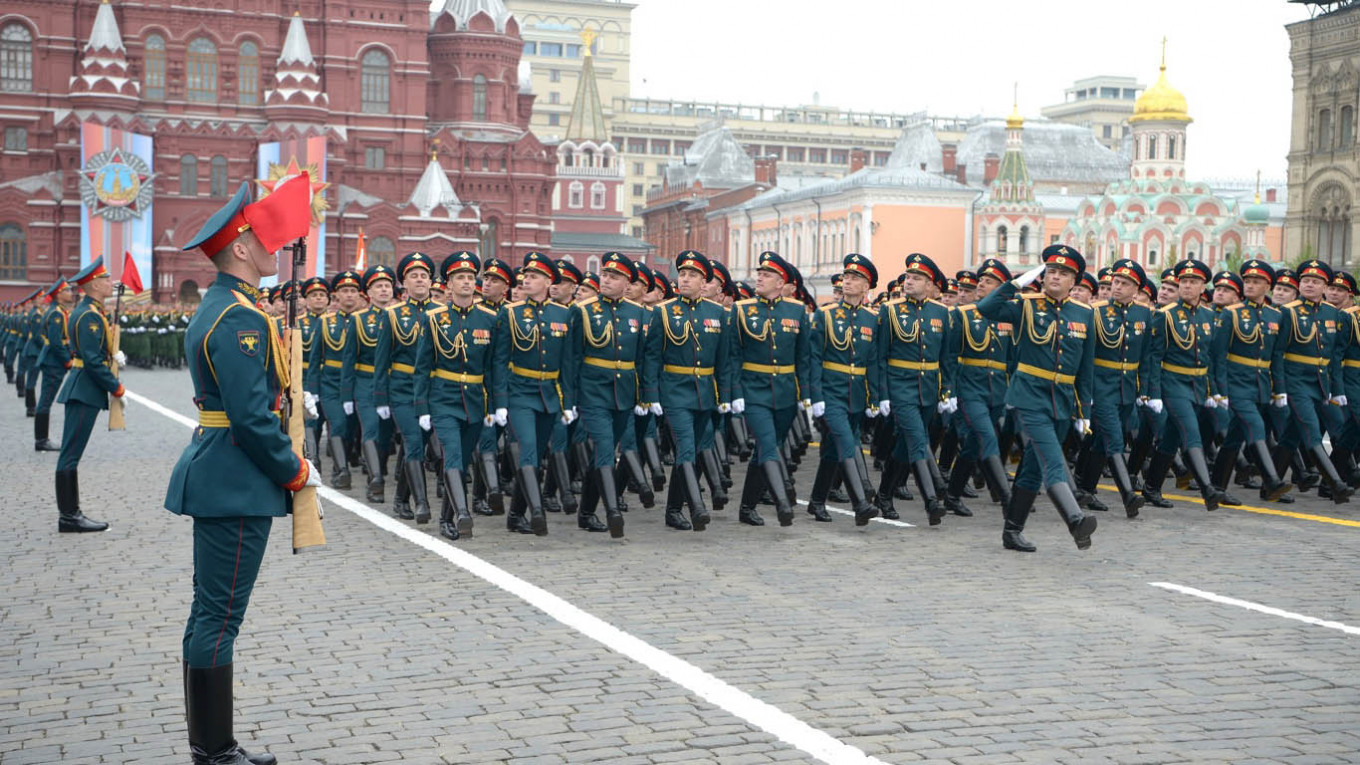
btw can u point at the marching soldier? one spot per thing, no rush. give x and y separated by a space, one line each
394 378
53 360
316 293
86 390
453 362
1121 329
558 480
614 383
533 343
332 381
361 356
772 347
688 378
843 382
1286 289
916 370
239 373
1051 389
488 497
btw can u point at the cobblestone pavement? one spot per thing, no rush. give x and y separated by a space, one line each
904 643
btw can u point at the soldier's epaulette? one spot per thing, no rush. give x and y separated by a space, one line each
392 310
1100 303
515 304
436 310
747 301
1078 302
484 309
242 301
714 302
630 301
1352 309
965 307
1293 303
798 303
1233 306
1166 308
1030 295
936 302
584 303
666 302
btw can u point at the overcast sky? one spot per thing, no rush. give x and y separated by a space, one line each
959 58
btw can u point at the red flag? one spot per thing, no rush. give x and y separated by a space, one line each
284 215
131 279
361 257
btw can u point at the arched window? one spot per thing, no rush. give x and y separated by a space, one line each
13 252
1324 130
1347 126
374 86
1171 147
153 69
188 176
200 71
479 98
1024 239
1152 147
597 196
1002 240
490 235
248 75
1152 257
593 263
381 251
575 194
217 177
16 58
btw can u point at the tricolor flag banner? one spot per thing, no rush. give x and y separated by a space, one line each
361 254
281 160
116 195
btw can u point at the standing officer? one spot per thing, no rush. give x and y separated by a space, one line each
772 346
86 390
332 381
1122 332
843 381
532 342
1052 387
316 293
984 348
613 338
54 360
689 356
1179 377
394 377
1245 345
32 348
361 355
453 362
487 489
239 470
916 370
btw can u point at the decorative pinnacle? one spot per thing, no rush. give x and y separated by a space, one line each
1163 53
589 35
1258 187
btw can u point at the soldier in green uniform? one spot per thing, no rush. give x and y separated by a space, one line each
533 344
453 371
1122 330
53 360
488 497
772 348
394 382
86 390
1052 387
687 376
332 382
239 470
31 350
843 381
316 294
361 355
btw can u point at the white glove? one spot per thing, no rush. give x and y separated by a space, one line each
951 404
655 409
313 475
161 331
424 422
819 409
1211 403
349 407
384 412
569 416
488 421
1082 426
120 359
1339 400
738 406
1028 277
1280 400
309 402
641 410
501 417
1140 401
885 407
724 408
1154 405
1222 402
804 405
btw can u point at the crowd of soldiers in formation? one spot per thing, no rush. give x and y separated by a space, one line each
1226 381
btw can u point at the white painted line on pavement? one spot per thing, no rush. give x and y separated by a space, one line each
767 717
851 513
1250 606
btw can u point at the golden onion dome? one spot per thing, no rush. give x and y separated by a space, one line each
1015 121
1161 102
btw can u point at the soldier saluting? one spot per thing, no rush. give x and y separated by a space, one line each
239 373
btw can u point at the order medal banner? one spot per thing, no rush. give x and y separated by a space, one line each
116 198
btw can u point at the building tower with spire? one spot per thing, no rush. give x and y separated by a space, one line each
1011 221
1159 120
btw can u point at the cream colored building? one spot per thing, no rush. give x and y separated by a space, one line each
1324 165
1103 104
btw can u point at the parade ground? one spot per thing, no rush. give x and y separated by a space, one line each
1182 636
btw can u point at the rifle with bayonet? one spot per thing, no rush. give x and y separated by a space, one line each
116 403
307 531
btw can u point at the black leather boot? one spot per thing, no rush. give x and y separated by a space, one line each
340 478
1340 490
865 510
1081 526
401 504
750 495
653 464
959 476
1154 477
1184 477
415 478
1272 487
1220 473
515 521
774 480
786 478
376 485
30 402
1088 476
698 514
495 490
558 462
1119 471
41 423
208 710
887 488
821 485
586 520
609 497
70 519
634 465
479 504
533 501
457 523
1304 478
837 492
1212 496
994 473
1016 514
717 489
675 510
935 511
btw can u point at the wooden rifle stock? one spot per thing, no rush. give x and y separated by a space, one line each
116 421
307 531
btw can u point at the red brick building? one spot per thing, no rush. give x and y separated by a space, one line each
387 83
